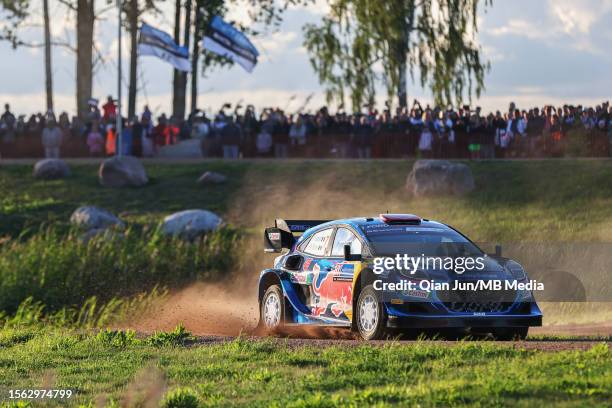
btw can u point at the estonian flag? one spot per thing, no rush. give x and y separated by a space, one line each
161 45
224 39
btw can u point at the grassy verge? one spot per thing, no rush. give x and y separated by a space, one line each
532 203
105 369
60 270
559 200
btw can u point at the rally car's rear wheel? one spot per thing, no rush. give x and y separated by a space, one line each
371 317
510 333
272 313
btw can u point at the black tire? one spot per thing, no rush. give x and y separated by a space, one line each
373 324
510 333
266 308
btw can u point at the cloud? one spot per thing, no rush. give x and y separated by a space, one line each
277 44
522 28
578 16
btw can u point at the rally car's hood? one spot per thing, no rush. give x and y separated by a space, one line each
494 269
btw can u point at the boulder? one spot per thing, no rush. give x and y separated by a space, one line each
439 177
122 172
92 218
190 224
51 169
211 177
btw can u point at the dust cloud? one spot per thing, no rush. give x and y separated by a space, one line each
231 307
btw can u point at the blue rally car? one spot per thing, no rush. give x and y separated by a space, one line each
330 276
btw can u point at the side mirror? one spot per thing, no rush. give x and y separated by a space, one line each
498 250
350 257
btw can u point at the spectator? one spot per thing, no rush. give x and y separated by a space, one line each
263 143
8 125
362 136
160 133
147 136
297 134
137 135
51 138
280 136
109 110
94 112
201 131
426 137
126 139
146 115
111 140
95 140
433 132
230 136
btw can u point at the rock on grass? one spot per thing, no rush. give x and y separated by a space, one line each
190 224
92 218
126 171
439 177
51 169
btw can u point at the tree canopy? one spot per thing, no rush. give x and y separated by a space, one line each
362 44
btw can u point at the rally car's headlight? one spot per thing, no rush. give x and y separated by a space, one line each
516 270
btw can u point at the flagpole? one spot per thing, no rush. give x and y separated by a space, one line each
119 119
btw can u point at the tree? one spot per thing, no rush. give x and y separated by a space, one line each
133 9
132 23
48 70
14 14
195 54
205 10
364 43
85 20
176 73
181 90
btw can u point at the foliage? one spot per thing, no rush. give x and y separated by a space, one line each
90 314
117 338
14 13
181 398
435 39
178 337
61 271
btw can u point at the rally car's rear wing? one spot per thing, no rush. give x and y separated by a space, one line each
282 234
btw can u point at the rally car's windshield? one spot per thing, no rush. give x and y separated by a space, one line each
389 240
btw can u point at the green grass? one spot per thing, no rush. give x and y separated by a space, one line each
45 268
529 203
60 270
262 373
562 200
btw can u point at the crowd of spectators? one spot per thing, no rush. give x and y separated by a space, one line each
419 131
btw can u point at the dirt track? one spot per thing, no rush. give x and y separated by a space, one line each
215 315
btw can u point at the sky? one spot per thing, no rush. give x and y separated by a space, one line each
540 51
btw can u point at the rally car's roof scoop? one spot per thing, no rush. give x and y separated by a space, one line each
281 235
409 219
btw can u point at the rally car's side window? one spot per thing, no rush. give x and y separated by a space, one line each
318 243
345 236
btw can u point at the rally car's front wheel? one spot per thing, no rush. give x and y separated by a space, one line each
272 313
371 317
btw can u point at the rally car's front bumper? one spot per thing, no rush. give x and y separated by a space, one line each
397 319
434 322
